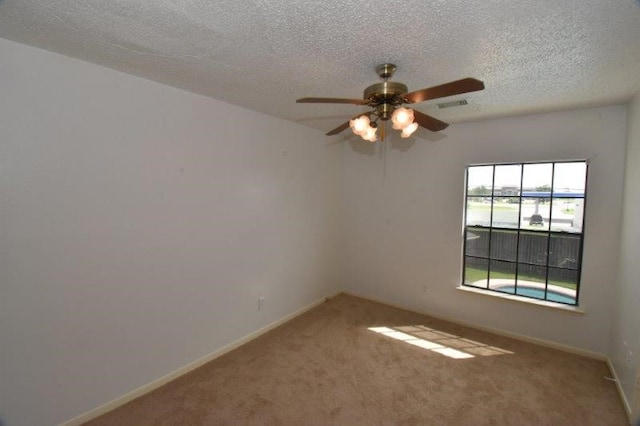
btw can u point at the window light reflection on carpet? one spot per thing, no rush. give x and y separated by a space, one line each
440 342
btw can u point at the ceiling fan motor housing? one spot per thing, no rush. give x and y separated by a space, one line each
385 97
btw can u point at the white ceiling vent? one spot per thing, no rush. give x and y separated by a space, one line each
452 104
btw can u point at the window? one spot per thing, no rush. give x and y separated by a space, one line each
523 231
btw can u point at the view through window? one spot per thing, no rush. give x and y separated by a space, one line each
524 229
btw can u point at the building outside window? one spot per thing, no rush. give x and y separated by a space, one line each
524 229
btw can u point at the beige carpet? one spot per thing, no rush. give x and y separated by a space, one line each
327 367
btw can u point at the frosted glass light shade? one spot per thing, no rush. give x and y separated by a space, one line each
360 125
401 118
370 135
408 131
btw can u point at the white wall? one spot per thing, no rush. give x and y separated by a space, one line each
625 333
138 226
404 227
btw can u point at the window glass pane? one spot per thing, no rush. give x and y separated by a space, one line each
527 207
477 242
531 274
536 213
537 178
502 276
475 271
478 211
536 292
563 284
506 212
533 248
564 251
569 178
479 180
531 281
567 214
504 244
507 180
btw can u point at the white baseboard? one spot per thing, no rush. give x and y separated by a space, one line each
500 332
623 397
130 396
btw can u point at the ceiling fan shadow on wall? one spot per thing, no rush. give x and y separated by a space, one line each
386 100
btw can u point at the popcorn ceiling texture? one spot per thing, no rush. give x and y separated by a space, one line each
263 54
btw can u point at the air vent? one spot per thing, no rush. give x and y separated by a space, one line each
453 104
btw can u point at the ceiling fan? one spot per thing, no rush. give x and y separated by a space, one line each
386 100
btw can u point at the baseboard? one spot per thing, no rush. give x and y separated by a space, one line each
500 332
130 396
623 397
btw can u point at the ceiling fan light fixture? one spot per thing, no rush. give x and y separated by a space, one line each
401 118
370 134
360 125
385 100
408 131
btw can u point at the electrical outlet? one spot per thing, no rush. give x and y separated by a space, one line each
629 357
638 382
425 288
260 303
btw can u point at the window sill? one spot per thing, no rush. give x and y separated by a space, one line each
519 299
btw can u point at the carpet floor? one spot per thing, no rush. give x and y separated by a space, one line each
351 361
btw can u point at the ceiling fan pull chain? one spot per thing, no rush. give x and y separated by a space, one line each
384 154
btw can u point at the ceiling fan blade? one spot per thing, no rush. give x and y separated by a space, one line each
338 129
448 89
428 122
331 101
343 126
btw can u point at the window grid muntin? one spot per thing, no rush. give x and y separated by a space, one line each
548 232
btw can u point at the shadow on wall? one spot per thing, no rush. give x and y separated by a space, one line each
361 146
405 144
367 148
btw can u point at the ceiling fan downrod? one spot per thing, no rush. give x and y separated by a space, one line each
385 71
385 96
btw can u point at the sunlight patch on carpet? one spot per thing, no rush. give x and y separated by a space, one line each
440 342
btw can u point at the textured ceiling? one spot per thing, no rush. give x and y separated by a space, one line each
535 55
